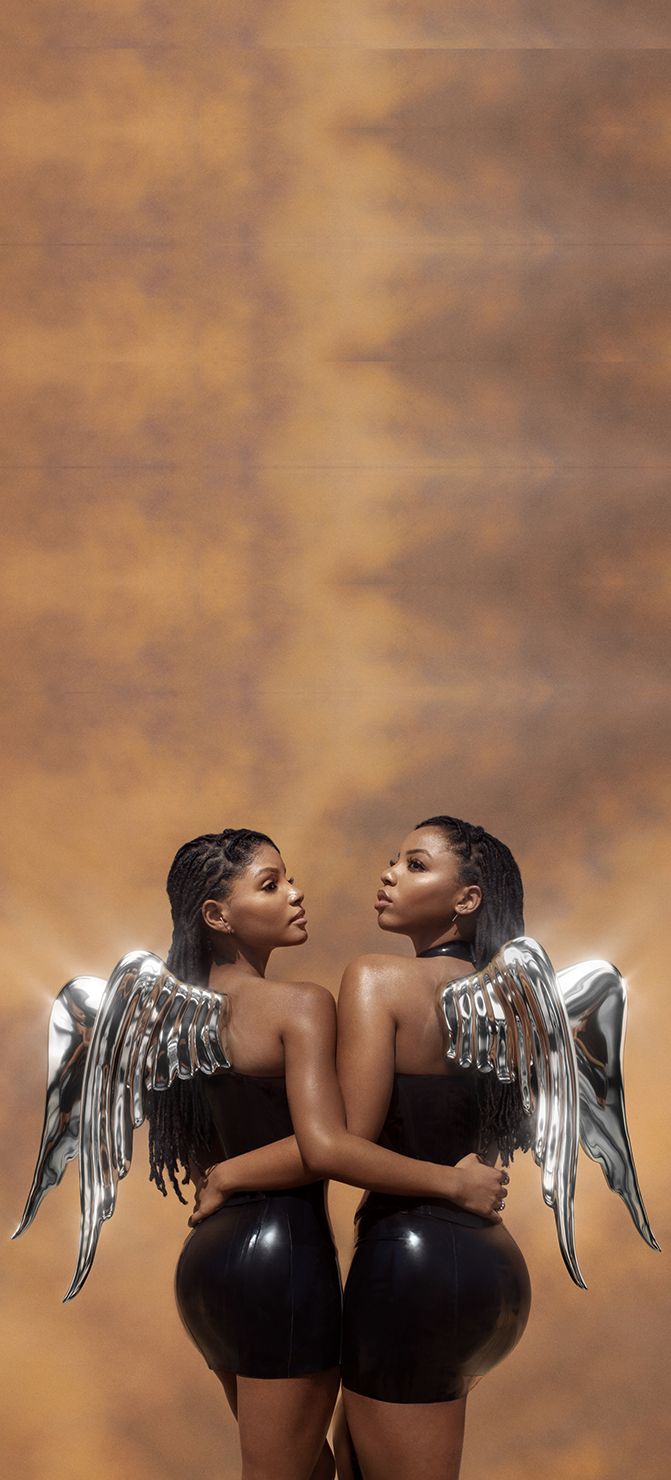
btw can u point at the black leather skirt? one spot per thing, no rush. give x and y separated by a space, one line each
435 1298
258 1285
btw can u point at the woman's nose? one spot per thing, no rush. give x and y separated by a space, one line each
388 877
297 895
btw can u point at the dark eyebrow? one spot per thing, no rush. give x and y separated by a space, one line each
418 850
270 868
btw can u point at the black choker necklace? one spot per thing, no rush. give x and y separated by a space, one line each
457 948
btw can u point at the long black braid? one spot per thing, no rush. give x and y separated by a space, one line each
485 861
180 1125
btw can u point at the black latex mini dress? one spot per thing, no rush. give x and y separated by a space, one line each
436 1296
257 1283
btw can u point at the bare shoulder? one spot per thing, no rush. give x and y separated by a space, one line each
374 976
308 1000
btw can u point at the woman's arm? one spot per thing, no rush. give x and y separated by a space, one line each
323 1146
330 1150
366 1056
366 1072
277 1165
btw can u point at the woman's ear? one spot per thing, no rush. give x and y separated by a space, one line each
213 913
469 899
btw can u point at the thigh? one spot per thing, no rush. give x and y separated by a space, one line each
406 1441
325 1466
348 1467
283 1424
229 1382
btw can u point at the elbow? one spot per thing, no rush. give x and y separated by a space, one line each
319 1155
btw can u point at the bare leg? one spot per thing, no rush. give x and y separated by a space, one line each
346 1460
229 1382
283 1423
325 1466
406 1441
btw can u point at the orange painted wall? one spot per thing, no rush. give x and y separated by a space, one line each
334 447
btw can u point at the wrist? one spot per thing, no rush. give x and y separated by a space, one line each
220 1178
453 1184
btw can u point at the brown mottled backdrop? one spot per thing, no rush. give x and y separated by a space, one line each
335 452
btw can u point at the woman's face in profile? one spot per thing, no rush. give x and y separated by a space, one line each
264 907
421 888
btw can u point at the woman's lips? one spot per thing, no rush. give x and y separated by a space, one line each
299 919
382 901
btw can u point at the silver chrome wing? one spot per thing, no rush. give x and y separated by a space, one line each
561 1037
70 1027
595 996
509 1019
149 1029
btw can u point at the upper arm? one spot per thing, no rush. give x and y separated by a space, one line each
366 1048
313 1092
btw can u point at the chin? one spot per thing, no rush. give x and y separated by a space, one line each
297 940
387 924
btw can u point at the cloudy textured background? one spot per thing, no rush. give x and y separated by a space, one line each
335 452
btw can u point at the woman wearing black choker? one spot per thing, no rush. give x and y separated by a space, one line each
436 1296
257 1281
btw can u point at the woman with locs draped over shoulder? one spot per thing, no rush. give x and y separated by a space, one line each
436 1295
257 1281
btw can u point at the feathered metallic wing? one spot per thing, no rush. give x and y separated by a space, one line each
70 1027
149 1029
509 1019
595 997
561 1037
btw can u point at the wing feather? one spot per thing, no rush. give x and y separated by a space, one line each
531 1037
484 1028
149 1028
595 996
70 1027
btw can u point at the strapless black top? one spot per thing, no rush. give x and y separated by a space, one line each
248 1110
431 1117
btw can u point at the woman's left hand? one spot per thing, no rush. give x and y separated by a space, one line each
211 1194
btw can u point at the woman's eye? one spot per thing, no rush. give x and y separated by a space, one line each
270 885
414 863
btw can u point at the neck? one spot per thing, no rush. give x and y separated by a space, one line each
244 959
424 940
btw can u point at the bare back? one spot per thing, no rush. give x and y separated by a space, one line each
259 1011
413 1000
388 1023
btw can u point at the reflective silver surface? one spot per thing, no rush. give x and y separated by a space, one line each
108 1043
562 1039
70 1027
596 1002
561 1036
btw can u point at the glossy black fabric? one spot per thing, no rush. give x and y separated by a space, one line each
457 948
257 1283
436 1296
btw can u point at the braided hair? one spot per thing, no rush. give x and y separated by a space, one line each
485 861
181 1130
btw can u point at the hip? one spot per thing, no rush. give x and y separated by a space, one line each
255 1226
427 1246
380 1214
258 1286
